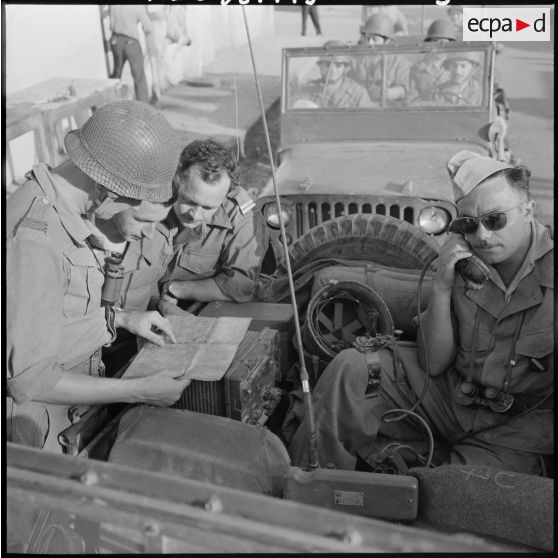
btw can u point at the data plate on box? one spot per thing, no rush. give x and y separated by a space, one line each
347 498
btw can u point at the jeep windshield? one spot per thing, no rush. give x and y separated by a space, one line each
409 78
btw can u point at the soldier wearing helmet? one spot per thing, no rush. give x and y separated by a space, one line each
334 88
428 73
462 86
440 31
391 10
378 30
62 223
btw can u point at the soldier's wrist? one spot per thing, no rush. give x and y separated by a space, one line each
168 292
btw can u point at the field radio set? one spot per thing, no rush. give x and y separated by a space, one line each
247 391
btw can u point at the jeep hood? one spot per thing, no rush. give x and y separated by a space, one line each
387 168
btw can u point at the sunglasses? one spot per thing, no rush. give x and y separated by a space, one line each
494 221
336 64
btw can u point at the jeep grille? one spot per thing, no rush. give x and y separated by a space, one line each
311 212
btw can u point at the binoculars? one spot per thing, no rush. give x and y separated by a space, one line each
471 394
114 275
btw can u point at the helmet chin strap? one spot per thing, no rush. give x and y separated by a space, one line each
101 201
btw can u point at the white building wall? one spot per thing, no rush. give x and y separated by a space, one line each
54 40
45 41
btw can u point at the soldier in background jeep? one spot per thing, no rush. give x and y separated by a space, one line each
334 88
378 30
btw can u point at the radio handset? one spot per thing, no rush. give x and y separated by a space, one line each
473 270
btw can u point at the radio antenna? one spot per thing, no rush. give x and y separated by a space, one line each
311 427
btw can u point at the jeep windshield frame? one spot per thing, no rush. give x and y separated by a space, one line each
308 73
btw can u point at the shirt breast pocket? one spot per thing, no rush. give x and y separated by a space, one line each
84 283
537 347
483 341
199 263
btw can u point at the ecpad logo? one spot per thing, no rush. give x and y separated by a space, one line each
506 24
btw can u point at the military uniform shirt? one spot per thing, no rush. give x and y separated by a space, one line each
369 72
226 249
427 75
54 281
348 94
145 263
523 311
470 93
124 20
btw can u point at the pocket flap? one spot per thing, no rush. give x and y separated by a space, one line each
536 344
81 257
198 263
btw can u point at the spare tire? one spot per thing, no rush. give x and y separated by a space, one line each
366 237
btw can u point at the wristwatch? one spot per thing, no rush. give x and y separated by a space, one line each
166 295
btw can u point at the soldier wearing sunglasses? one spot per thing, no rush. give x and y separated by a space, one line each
334 88
487 352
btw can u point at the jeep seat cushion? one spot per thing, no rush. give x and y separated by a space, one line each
201 447
397 287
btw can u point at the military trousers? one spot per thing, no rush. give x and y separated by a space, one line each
349 420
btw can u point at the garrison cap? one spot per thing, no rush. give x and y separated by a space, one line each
467 170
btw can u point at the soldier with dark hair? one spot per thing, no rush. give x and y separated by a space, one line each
217 249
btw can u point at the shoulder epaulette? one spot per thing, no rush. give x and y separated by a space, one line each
243 200
36 216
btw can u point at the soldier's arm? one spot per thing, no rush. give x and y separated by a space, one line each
204 290
438 325
241 259
35 278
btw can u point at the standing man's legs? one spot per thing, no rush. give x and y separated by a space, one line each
304 19
117 46
315 19
135 58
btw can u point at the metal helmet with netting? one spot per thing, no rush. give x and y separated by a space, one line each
379 24
129 148
441 29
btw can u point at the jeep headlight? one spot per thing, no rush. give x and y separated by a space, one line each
272 215
433 220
